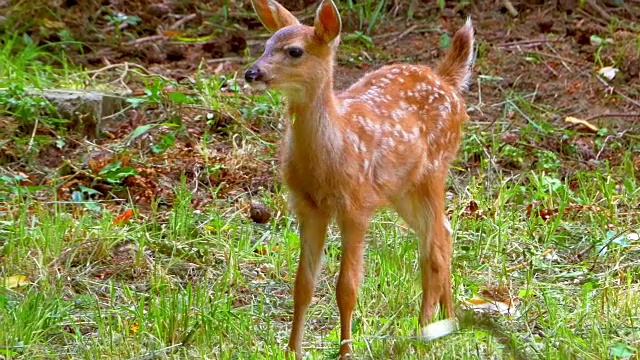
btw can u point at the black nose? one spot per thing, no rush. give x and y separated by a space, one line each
252 74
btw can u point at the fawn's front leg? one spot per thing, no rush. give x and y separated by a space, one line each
353 227
313 230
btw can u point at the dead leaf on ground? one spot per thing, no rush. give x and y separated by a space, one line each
14 281
473 209
533 210
482 305
124 217
584 124
608 72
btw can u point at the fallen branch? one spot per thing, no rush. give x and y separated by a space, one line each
599 9
617 136
509 6
146 39
402 34
610 88
621 115
182 21
532 42
229 59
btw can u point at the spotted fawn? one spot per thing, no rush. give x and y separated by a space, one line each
387 140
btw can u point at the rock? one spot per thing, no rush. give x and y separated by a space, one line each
158 10
84 108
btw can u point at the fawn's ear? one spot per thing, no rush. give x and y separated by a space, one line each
327 24
273 15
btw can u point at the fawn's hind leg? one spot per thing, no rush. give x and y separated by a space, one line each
423 209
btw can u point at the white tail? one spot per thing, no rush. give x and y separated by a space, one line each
387 140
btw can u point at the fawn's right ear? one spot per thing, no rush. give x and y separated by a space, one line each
327 24
273 15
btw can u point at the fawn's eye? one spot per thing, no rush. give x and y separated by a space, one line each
295 52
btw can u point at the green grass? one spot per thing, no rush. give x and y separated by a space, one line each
194 286
212 284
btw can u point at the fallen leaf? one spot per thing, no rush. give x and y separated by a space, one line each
479 304
15 281
608 72
473 210
124 217
534 210
51 24
585 123
103 275
260 250
264 249
133 329
172 33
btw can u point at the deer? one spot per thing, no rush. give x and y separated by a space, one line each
386 141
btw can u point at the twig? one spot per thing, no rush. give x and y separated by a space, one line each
145 39
594 18
604 144
402 34
112 66
599 10
395 33
622 115
124 75
229 59
126 65
33 135
553 71
532 42
512 10
158 353
118 113
563 60
613 238
611 88
182 21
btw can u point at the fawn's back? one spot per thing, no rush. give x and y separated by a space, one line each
382 135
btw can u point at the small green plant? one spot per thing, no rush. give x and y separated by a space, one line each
359 37
370 13
114 172
17 102
118 19
601 43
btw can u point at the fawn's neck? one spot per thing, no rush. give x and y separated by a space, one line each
313 113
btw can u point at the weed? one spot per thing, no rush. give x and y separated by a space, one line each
370 13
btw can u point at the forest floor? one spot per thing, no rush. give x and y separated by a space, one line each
169 235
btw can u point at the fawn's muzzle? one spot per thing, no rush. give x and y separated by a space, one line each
252 74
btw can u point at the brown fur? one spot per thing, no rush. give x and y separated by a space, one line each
386 141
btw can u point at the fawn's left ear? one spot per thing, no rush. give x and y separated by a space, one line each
327 24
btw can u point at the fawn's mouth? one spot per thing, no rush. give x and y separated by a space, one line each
260 85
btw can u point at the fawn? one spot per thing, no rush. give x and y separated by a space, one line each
385 141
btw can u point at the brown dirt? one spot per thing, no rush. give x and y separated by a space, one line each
544 51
